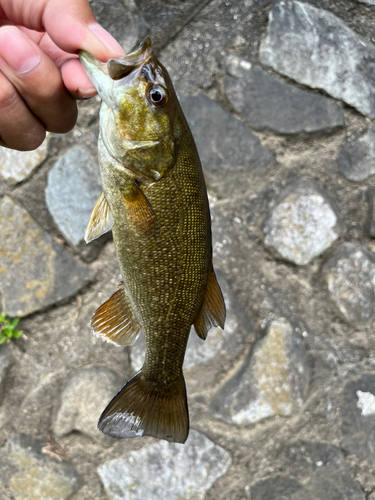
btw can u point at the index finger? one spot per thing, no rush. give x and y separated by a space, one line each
70 24
74 76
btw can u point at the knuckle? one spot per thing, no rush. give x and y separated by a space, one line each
19 129
45 94
28 141
8 95
33 139
65 119
21 143
44 91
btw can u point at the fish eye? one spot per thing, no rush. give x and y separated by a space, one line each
157 95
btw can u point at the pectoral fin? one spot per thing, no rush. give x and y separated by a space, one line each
212 312
141 215
115 321
101 219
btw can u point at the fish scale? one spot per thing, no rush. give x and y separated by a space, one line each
187 261
154 198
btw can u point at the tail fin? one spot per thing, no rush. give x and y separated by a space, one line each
138 410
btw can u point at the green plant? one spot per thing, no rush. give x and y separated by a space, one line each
8 328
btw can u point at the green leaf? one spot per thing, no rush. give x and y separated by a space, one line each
8 328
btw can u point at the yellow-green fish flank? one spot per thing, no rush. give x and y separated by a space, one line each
154 199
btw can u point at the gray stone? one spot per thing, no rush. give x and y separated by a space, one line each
304 459
27 473
321 471
166 470
17 166
167 18
278 488
330 485
324 485
266 103
370 222
222 26
83 399
273 379
364 474
303 223
113 15
316 48
161 20
205 359
330 476
356 159
367 2
35 271
229 152
350 276
357 410
72 191
5 364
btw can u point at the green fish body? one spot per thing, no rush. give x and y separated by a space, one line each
154 199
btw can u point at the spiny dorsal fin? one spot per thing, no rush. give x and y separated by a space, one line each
212 312
101 219
141 214
115 322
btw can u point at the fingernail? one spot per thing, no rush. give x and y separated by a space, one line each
86 94
106 39
17 50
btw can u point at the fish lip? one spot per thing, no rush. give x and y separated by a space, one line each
88 59
97 72
139 55
134 61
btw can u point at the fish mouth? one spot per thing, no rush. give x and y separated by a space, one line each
105 76
98 74
122 66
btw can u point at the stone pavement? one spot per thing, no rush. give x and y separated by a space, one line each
280 96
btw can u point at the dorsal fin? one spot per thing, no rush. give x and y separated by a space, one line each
212 312
101 219
115 322
141 215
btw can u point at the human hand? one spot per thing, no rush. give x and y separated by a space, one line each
40 73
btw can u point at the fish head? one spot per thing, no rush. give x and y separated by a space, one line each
138 122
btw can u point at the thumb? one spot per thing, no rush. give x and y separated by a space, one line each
69 23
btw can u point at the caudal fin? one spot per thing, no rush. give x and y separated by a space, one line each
140 410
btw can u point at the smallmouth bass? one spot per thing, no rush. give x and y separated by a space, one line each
155 201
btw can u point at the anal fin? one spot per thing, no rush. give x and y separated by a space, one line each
101 219
140 212
212 312
115 322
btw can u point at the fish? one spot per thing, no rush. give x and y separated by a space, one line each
155 201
